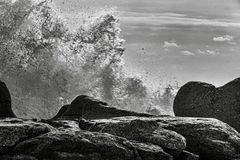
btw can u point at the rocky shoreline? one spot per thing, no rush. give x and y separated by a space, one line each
121 138
88 129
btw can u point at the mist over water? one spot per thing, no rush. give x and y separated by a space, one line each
46 63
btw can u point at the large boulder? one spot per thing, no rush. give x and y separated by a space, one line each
142 131
14 131
5 102
89 108
197 99
85 145
209 138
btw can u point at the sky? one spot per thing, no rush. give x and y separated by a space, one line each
174 40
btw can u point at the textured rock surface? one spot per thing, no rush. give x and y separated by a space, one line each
89 108
13 131
5 101
120 138
209 138
187 156
17 157
196 99
143 137
145 132
89 146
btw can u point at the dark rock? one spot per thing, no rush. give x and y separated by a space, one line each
196 99
63 124
89 108
62 110
17 157
145 132
14 131
209 138
185 155
5 102
120 138
86 145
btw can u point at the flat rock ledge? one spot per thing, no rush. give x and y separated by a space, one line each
121 138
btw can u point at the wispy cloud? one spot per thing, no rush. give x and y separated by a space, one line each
225 38
174 19
187 53
208 52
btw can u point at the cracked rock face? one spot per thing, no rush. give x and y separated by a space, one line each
14 131
197 99
209 138
87 145
121 138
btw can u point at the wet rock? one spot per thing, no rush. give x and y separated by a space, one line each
88 145
121 138
14 131
145 132
63 124
5 102
89 108
209 138
17 157
187 156
196 99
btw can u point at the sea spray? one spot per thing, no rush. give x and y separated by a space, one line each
46 63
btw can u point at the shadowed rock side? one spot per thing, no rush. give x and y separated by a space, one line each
62 110
196 99
5 102
90 108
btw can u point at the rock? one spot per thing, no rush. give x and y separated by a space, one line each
61 111
144 132
87 145
89 108
196 99
17 157
5 102
120 138
185 155
209 138
14 131
63 124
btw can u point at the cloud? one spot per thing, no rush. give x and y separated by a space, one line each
208 52
170 44
225 38
187 53
173 19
